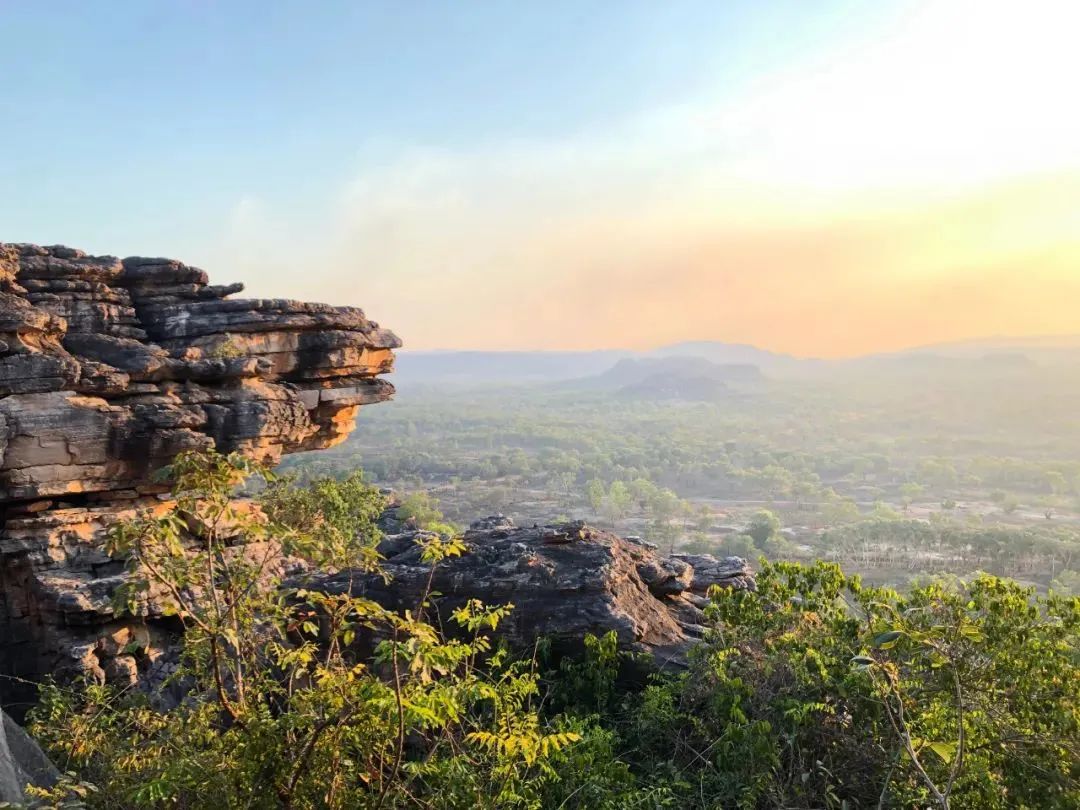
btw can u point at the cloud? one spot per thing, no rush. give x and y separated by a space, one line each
915 187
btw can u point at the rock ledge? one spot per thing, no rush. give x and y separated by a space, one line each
108 369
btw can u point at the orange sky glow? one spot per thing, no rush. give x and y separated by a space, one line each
915 186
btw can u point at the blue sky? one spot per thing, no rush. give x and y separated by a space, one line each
434 161
140 124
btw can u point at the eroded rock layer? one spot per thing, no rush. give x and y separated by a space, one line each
108 369
564 580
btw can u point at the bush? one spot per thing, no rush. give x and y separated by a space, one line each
812 691
281 712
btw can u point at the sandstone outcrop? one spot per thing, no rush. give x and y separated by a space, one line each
564 580
108 369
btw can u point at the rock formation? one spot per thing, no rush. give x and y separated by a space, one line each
564 580
22 763
108 369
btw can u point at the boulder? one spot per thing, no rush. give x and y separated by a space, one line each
707 570
22 763
564 580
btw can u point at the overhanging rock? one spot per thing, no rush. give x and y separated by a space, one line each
108 369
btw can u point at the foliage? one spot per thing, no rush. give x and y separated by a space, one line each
282 711
764 525
813 691
336 519
823 453
226 349
421 509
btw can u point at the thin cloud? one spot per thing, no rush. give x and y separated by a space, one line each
831 210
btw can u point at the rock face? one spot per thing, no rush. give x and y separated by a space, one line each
564 581
22 763
108 369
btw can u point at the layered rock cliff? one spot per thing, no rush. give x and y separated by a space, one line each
108 369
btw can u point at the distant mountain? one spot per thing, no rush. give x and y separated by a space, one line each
719 352
931 362
679 387
984 353
609 369
740 353
494 367
995 345
474 368
644 373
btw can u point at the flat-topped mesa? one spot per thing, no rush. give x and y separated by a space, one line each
108 369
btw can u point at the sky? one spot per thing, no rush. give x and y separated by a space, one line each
827 178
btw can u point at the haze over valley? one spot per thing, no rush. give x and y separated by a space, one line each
946 459
462 405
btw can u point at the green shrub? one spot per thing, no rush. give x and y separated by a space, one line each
281 712
812 691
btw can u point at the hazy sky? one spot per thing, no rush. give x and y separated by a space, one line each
823 178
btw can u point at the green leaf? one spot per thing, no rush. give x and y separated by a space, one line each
886 641
972 633
945 750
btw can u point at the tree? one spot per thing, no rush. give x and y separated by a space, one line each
339 516
777 481
703 520
618 501
804 489
763 525
836 509
281 711
563 482
740 545
943 663
909 492
643 491
1067 582
826 693
420 508
882 511
1059 485
939 472
596 493
700 543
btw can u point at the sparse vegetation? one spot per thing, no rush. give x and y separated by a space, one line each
812 691
821 454
226 349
